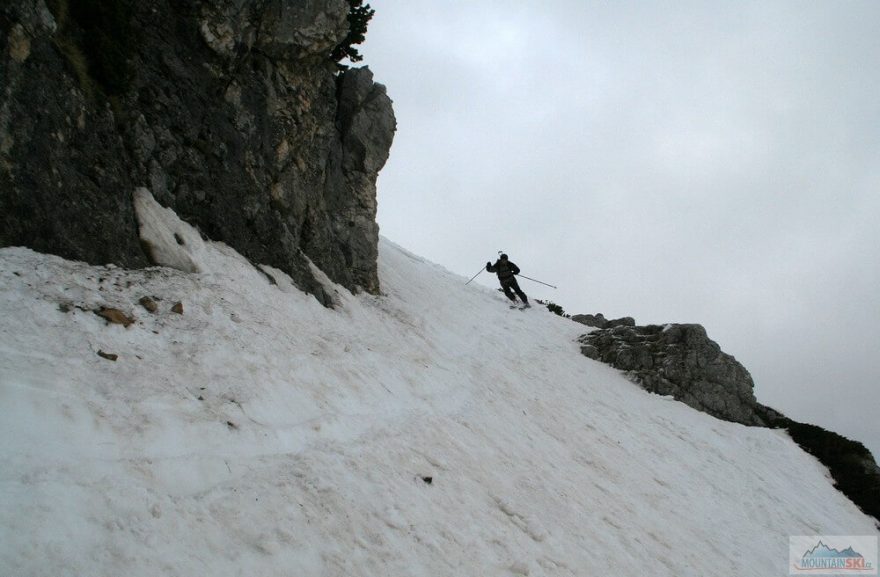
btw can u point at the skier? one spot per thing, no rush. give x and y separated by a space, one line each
506 271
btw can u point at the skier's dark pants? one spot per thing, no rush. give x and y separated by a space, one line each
510 286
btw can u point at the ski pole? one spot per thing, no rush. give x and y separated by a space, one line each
537 281
475 276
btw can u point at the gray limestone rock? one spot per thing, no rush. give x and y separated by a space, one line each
231 113
596 320
590 351
679 360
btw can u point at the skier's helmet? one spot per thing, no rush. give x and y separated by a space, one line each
503 257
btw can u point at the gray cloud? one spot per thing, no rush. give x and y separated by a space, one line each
696 162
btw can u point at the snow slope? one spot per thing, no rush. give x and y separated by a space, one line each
260 434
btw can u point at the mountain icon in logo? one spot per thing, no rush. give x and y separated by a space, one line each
823 551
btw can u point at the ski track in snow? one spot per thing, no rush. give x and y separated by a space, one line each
259 433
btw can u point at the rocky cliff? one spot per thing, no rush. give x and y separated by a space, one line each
230 112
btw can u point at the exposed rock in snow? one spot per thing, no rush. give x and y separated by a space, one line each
679 360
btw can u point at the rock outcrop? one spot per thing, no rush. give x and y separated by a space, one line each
600 322
231 113
682 361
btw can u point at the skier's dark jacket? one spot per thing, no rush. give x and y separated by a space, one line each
504 269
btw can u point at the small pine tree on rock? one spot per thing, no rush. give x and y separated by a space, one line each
358 18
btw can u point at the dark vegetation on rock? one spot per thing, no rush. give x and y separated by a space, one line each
554 308
850 463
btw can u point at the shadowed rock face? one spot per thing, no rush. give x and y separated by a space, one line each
230 112
682 361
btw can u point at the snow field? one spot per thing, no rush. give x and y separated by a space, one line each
259 433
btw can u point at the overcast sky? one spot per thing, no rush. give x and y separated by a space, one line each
708 162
